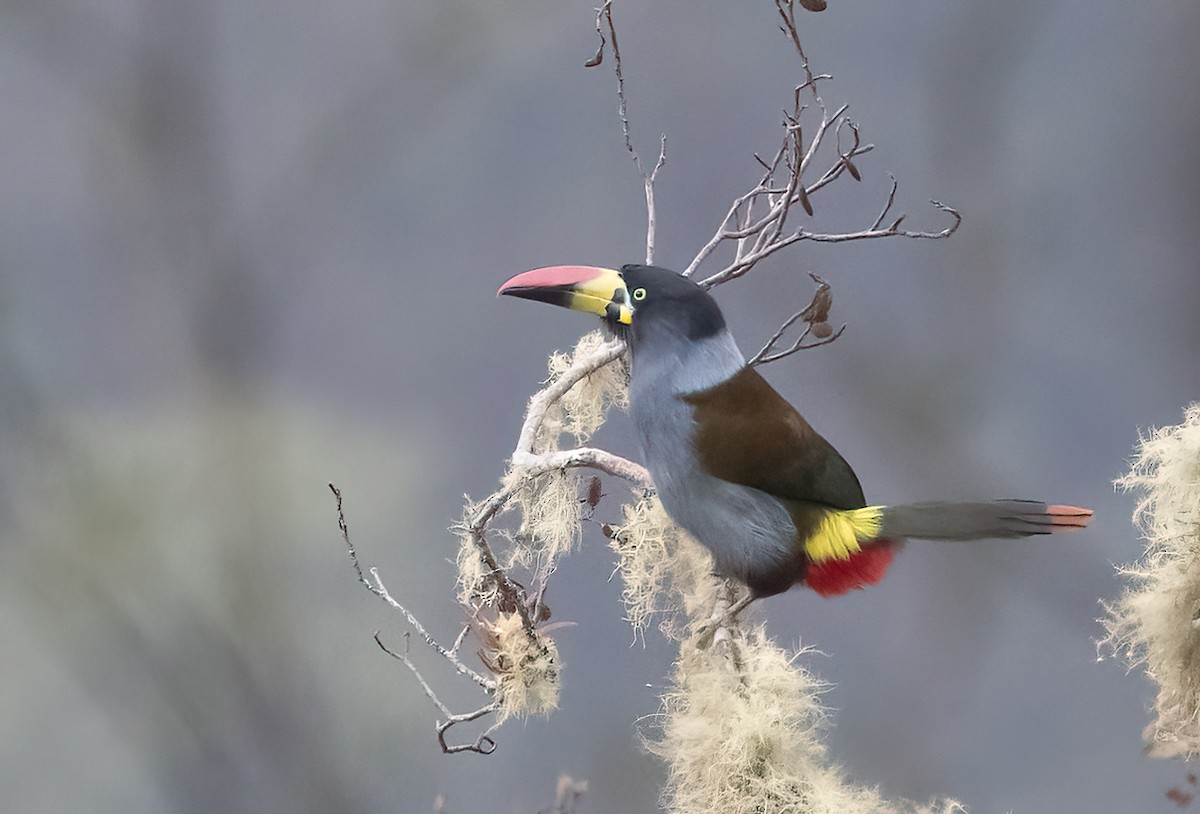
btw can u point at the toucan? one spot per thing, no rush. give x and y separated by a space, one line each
736 465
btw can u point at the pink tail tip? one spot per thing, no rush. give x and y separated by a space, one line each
1069 516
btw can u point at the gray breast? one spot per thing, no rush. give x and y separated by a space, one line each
747 530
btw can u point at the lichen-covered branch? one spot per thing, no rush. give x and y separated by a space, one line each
741 729
532 519
582 366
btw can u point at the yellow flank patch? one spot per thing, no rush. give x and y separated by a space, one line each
840 534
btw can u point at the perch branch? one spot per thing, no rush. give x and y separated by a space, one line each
508 593
540 402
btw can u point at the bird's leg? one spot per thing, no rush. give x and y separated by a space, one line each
724 612
739 606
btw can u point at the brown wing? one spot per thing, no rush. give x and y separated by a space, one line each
747 433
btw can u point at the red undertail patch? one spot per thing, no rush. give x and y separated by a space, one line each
866 567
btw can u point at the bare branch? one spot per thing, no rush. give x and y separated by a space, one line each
815 314
345 530
893 230
483 744
787 12
500 592
763 358
375 585
604 20
746 260
887 206
807 127
775 337
648 180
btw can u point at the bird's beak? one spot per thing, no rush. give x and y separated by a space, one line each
580 288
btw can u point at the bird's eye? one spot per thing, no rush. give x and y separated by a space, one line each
639 294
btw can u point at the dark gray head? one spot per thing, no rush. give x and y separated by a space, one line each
668 305
638 302
673 327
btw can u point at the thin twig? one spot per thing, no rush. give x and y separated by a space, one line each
649 184
797 346
459 639
604 19
483 743
816 313
783 184
893 230
375 585
787 11
887 205
775 337
604 14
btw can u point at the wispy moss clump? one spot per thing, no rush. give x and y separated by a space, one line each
1156 623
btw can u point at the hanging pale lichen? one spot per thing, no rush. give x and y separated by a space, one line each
740 729
475 590
526 667
741 732
549 504
663 571
582 410
551 516
1156 623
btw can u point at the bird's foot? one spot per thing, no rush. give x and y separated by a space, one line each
725 612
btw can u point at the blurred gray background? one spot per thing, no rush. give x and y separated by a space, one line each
251 247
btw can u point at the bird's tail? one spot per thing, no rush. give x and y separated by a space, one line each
978 521
853 548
